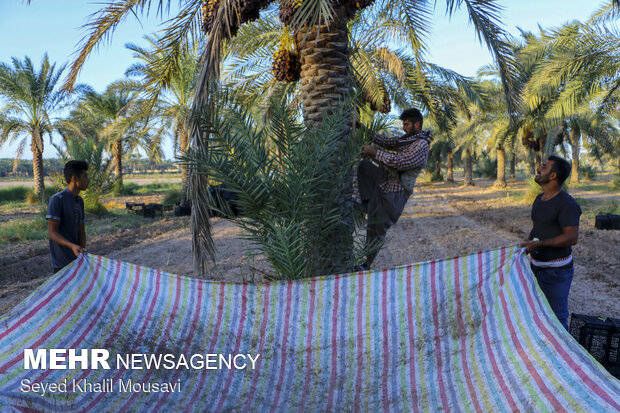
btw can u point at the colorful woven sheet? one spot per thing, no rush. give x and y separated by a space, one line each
473 333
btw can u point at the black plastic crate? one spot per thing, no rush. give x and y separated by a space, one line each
614 370
607 221
602 221
595 339
577 321
613 355
593 333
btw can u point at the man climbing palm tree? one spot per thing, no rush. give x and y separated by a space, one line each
386 188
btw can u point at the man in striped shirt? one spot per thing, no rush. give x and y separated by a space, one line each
386 187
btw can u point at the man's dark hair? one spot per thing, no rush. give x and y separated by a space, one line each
74 168
561 167
413 115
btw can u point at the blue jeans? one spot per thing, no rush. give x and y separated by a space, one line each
555 284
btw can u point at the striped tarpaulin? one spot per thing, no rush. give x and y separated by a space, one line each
471 333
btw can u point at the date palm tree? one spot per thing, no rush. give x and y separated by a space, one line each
31 98
581 63
384 77
494 121
117 117
321 32
579 79
172 104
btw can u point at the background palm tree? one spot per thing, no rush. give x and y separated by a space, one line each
582 63
469 135
31 98
578 81
171 98
119 120
495 129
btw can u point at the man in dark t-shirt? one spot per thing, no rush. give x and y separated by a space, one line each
65 217
555 216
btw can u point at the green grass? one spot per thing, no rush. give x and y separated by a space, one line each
16 230
517 195
113 221
153 175
29 229
23 193
525 195
591 210
131 188
14 206
583 203
158 187
603 186
172 197
13 193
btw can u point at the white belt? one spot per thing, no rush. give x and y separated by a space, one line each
560 262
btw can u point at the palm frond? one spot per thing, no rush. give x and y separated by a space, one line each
608 13
313 13
288 194
100 28
484 14
414 16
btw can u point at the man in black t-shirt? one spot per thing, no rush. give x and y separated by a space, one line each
555 216
65 217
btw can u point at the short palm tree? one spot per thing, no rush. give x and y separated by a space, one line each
288 194
89 149
31 99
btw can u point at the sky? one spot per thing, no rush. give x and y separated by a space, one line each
55 27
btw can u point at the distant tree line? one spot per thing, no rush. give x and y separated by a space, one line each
8 167
53 166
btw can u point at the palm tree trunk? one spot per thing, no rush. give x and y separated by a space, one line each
325 84
438 164
324 57
469 166
36 146
450 173
532 162
500 182
183 145
542 141
117 153
575 135
513 165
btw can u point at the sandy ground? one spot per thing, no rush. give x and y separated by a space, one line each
439 221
